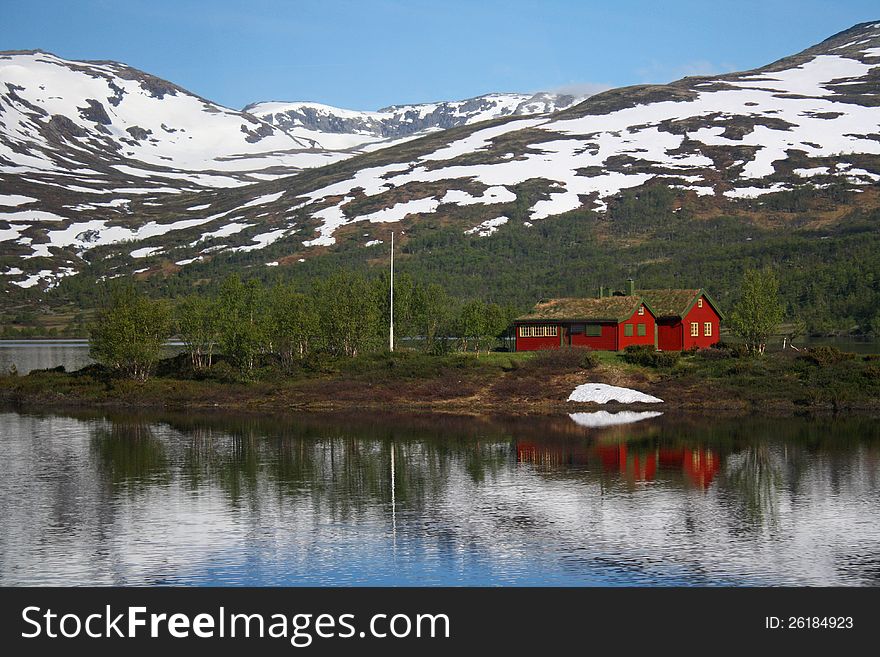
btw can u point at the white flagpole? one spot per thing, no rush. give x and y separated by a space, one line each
391 324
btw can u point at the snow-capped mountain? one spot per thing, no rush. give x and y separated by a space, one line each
90 153
100 119
809 119
341 129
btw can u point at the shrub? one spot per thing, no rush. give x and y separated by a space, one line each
826 355
713 354
872 373
647 355
565 359
732 349
129 333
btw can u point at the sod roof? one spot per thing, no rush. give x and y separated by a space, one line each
676 303
609 309
670 303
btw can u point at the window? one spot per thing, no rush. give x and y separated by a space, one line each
538 331
593 330
628 330
695 329
641 330
641 310
707 329
700 302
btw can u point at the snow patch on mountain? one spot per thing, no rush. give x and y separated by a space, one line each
487 227
794 108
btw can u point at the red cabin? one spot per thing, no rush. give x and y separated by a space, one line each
671 320
685 318
604 323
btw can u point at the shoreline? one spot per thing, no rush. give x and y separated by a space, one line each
471 385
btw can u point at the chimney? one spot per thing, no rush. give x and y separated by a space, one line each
630 287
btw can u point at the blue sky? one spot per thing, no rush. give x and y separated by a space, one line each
373 53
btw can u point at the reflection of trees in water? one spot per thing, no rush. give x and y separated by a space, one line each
339 471
230 461
755 477
129 455
341 468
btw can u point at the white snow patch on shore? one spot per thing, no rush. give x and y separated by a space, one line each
606 419
602 393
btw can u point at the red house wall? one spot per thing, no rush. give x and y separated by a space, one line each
675 335
534 344
605 342
669 335
701 315
625 340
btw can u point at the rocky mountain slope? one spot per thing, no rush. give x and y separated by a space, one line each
341 129
811 120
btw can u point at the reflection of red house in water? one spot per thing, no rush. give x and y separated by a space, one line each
699 465
633 464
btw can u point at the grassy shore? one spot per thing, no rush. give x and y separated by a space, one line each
722 380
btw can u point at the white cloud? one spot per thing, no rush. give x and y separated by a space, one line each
581 88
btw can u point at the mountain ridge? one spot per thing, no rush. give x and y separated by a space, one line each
386 125
719 144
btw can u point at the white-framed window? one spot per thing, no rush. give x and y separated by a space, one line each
539 331
707 329
700 302
695 329
641 310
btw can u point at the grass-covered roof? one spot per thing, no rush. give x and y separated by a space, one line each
609 309
670 303
676 303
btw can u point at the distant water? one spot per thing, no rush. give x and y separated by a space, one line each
408 500
29 355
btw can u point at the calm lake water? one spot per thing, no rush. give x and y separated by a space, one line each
422 500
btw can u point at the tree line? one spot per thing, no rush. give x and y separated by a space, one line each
344 315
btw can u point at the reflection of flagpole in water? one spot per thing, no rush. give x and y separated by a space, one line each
393 502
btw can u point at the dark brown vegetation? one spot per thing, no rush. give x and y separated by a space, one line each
722 379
